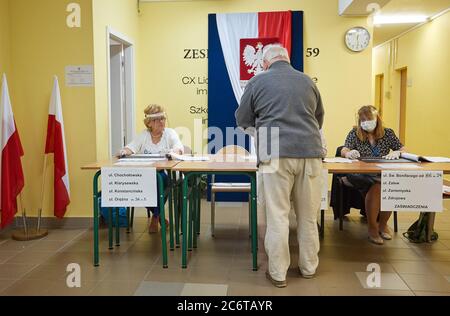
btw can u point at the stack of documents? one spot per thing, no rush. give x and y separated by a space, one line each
161 156
189 158
135 162
398 166
417 158
338 160
437 159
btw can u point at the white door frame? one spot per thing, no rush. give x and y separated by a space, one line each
129 81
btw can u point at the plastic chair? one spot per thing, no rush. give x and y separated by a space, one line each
229 187
344 197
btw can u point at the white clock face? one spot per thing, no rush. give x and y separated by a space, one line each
357 39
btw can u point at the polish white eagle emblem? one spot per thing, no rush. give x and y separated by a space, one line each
253 58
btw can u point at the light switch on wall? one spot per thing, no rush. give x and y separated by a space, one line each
388 94
409 82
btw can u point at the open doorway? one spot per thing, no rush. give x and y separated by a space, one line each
120 90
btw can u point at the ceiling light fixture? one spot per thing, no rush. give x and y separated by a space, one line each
398 19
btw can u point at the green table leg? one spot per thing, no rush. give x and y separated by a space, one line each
184 223
110 228
194 214
172 244
128 220
254 223
96 220
190 221
132 217
117 227
199 204
162 216
177 204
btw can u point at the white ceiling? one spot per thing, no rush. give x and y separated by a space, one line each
359 7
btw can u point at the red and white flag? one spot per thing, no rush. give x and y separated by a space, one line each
11 173
238 31
56 144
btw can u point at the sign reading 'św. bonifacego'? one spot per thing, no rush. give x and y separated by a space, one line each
416 191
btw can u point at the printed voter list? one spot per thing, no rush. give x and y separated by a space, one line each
129 187
417 191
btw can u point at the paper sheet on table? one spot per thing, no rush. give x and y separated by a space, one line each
338 160
189 158
436 159
398 166
142 160
147 156
235 158
139 162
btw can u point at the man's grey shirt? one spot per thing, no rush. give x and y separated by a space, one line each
288 99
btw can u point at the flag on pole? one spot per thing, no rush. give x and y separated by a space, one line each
56 144
11 173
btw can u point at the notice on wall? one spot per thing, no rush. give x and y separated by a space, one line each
129 187
80 76
324 201
411 191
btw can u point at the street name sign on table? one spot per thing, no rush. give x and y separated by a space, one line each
129 187
411 191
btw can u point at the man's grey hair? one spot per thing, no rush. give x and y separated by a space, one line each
272 51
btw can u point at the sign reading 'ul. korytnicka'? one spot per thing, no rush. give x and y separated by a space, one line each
129 187
411 191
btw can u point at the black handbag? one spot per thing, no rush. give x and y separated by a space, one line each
422 229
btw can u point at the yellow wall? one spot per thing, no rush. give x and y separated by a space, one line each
122 17
41 46
425 52
4 37
166 29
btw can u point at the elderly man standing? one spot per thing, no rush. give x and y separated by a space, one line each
287 100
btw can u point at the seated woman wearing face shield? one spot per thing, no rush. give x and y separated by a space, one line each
156 139
371 139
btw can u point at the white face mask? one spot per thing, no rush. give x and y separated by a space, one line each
369 126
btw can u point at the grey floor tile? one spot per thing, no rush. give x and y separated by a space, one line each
49 245
6 255
15 271
4 284
418 282
412 267
31 257
422 293
196 289
147 288
115 288
28 288
388 281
